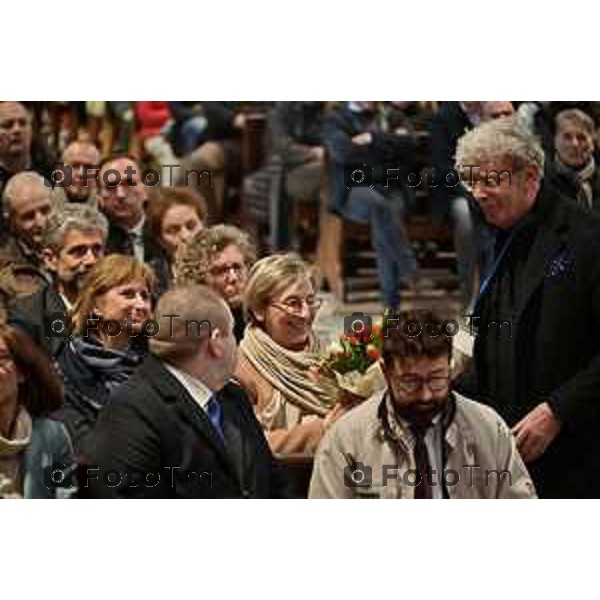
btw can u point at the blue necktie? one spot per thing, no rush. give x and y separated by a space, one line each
213 411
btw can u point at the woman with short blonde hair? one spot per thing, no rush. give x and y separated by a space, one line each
279 354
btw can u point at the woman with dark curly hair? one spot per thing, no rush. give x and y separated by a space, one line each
30 441
219 257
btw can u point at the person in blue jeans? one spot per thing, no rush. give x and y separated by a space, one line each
357 136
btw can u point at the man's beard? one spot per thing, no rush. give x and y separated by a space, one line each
78 194
419 415
74 284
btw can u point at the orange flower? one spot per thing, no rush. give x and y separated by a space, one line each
353 341
372 352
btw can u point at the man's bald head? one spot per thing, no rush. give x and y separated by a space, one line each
15 132
83 160
27 204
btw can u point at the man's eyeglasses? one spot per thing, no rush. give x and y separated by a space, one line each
413 383
293 306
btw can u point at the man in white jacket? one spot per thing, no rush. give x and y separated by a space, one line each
418 439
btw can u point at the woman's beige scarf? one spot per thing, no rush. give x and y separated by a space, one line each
288 371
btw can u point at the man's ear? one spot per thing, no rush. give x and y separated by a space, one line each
50 258
214 346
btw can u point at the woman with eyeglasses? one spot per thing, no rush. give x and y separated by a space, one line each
30 390
108 341
220 258
279 353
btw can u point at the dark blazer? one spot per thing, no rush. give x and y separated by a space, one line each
152 427
448 125
35 313
118 242
553 351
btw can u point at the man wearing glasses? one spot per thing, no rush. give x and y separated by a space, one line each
418 439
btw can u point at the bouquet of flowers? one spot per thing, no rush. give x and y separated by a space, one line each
355 363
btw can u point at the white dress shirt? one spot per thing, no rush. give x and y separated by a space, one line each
195 388
138 243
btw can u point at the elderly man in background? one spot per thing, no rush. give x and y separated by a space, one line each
81 163
27 204
573 172
17 153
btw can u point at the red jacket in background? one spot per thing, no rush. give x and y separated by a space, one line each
151 117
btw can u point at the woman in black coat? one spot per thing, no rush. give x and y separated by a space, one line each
107 345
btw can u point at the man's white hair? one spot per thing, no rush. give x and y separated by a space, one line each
497 140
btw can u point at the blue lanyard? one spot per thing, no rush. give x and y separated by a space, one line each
493 270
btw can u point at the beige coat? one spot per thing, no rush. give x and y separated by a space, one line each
476 436
288 429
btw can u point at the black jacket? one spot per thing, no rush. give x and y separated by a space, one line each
119 242
86 393
548 289
36 314
153 429
448 125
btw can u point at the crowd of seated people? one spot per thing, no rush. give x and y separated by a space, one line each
86 265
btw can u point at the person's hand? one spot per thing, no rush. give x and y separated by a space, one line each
363 139
317 153
239 121
536 431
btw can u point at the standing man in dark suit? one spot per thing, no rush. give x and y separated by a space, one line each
179 428
537 314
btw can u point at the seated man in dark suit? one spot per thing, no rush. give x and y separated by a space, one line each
179 428
73 242
123 198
